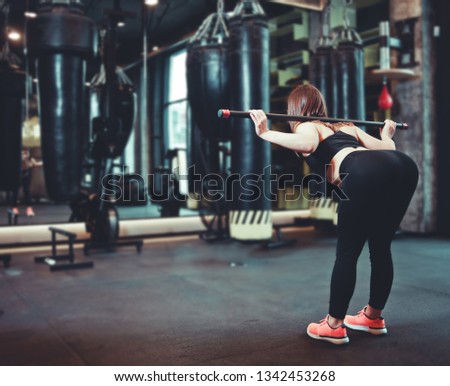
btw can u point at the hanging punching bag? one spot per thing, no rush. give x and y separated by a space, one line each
110 141
322 68
12 92
61 38
250 213
349 62
385 101
323 76
207 82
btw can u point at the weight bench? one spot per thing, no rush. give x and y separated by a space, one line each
53 260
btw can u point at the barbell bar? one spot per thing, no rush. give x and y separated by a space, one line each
225 113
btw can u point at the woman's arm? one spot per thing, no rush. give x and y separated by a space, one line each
386 134
305 141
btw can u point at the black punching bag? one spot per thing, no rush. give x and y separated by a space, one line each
12 92
250 212
323 76
110 141
349 62
322 68
61 38
207 78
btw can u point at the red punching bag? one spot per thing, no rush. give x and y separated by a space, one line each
385 101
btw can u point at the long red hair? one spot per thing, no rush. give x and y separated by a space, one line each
306 100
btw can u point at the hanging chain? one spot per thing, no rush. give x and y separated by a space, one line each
346 33
346 4
220 6
326 39
220 22
99 79
214 27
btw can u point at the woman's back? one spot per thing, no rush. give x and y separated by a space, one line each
335 143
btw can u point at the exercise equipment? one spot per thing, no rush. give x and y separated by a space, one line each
207 71
166 184
225 113
208 74
61 39
385 101
322 69
349 63
12 92
113 115
54 260
112 110
248 49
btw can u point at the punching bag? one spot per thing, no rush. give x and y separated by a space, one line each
322 72
12 92
349 62
250 210
322 68
207 81
385 101
322 76
111 142
61 39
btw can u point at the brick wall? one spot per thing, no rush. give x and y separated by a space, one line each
415 105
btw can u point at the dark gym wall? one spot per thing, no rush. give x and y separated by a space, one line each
441 11
414 101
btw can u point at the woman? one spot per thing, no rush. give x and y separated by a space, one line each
378 183
28 163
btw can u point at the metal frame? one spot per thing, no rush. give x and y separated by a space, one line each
54 258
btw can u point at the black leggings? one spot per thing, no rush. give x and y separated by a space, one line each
379 186
25 183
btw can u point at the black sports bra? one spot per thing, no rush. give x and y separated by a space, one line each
328 148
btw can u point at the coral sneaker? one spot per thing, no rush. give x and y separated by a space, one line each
362 322
323 331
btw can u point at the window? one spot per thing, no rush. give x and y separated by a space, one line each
177 105
176 114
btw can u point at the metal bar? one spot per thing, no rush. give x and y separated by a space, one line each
71 254
224 113
71 266
53 243
62 232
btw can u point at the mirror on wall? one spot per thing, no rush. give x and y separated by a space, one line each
158 146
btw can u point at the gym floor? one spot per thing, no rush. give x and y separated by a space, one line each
183 301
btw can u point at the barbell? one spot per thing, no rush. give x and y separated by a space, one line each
225 113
